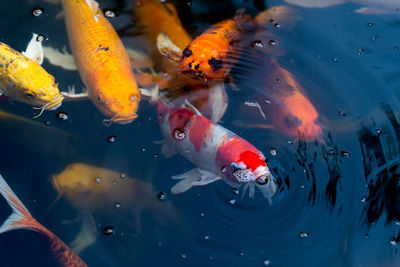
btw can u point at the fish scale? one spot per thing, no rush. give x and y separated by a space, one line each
103 63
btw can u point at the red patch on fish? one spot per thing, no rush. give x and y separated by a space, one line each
179 118
232 150
200 132
251 159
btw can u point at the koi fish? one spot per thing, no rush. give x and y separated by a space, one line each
217 152
212 54
102 61
23 79
293 114
369 6
149 14
22 219
297 113
95 190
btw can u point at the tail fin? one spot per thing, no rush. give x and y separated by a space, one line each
20 217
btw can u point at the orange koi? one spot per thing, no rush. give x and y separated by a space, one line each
102 61
212 54
295 114
22 219
155 17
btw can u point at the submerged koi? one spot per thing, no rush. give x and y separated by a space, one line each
22 219
212 54
297 114
24 80
155 16
217 152
292 113
77 184
102 61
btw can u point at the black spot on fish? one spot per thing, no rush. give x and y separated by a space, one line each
187 52
197 67
190 65
215 64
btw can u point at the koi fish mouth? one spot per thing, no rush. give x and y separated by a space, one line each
50 106
195 74
120 119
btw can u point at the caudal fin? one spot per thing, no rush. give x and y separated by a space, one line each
20 217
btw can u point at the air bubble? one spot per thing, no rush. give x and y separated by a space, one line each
345 154
232 201
235 191
257 43
206 237
304 234
370 24
112 139
37 11
109 230
117 205
273 152
335 59
109 13
62 116
272 42
98 180
162 196
123 175
342 113
266 262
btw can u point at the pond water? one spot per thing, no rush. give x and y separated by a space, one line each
338 197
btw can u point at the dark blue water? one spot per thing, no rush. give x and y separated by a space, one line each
338 201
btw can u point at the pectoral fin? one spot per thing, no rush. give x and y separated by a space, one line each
87 234
194 177
167 48
269 189
60 58
315 3
373 11
34 49
217 101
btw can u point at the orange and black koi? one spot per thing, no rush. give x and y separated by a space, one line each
212 54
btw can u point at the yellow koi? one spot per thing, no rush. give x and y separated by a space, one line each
24 80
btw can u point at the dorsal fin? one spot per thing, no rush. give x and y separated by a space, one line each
94 6
167 48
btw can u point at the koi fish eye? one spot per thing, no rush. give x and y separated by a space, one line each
179 135
262 180
29 95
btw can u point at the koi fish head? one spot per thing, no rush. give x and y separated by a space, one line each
202 62
241 162
250 167
117 98
43 93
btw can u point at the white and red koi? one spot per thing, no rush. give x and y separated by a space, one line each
217 152
22 219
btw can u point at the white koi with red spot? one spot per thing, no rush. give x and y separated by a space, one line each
217 152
